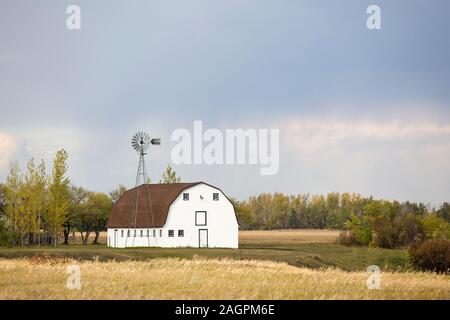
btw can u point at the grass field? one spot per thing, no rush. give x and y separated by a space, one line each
301 248
290 264
199 278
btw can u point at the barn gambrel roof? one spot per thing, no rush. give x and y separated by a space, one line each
152 208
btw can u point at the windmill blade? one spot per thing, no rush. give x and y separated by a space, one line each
140 141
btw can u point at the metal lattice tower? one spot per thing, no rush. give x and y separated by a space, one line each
141 176
140 142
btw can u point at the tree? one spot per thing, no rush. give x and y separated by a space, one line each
77 196
360 228
100 205
435 227
444 212
116 193
83 220
2 200
281 211
59 195
169 176
28 212
6 236
34 198
92 215
13 199
245 216
41 195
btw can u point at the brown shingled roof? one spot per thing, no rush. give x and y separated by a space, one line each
126 213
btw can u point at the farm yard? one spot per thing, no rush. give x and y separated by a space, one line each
288 264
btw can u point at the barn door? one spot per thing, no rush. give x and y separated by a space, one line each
115 238
203 238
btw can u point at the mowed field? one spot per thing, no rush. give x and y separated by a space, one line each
291 264
301 248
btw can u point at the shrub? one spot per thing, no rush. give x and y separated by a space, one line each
360 228
431 255
347 238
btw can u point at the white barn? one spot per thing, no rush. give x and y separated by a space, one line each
173 215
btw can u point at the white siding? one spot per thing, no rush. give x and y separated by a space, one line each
221 223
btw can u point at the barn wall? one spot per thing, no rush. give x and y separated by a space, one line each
221 223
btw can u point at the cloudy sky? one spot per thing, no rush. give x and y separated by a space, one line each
358 110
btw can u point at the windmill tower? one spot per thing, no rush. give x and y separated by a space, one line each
140 142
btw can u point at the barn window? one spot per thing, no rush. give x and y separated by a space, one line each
200 218
160 233
185 196
170 233
148 233
135 233
154 232
216 196
128 233
142 233
181 233
121 233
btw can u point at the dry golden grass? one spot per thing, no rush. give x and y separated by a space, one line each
206 279
288 236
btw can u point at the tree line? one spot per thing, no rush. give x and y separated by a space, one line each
365 220
37 208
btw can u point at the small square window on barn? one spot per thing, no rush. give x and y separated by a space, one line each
128 233
154 232
142 233
121 233
200 218
216 196
170 233
181 233
160 233
185 196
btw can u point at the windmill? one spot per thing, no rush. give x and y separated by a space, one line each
140 142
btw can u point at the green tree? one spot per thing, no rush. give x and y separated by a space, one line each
34 198
116 193
83 220
59 195
444 211
280 216
435 227
13 199
100 205
6 236
244 214
40 196
92 215
77 196
169 176
2 200
361 229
